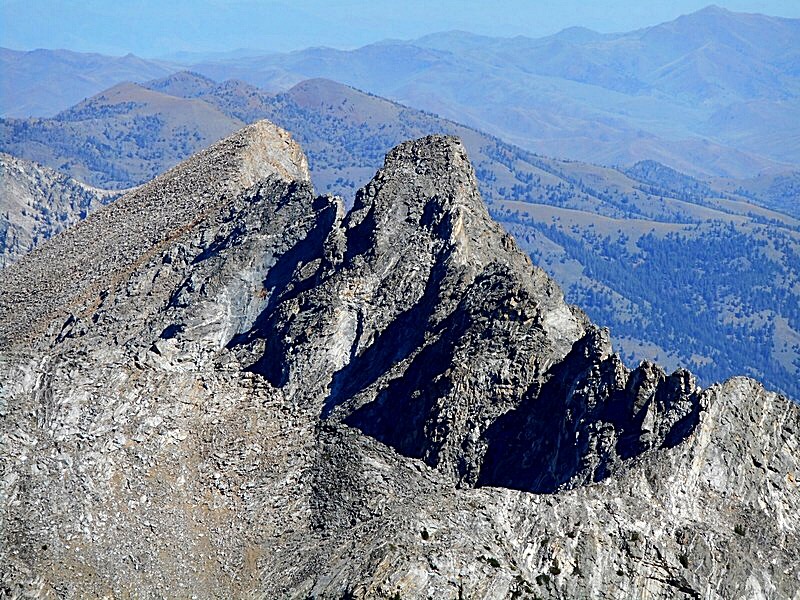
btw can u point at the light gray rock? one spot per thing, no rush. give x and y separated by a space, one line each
224 386
36 203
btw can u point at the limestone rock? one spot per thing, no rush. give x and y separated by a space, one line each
224 386
36 203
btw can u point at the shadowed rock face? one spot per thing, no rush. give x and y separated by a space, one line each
223 385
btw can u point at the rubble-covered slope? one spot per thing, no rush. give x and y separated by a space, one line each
224 386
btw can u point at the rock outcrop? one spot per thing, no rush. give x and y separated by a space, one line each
36 203
223 385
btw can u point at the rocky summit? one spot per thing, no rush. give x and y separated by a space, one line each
223 385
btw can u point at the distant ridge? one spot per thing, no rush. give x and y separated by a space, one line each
712 93
185 84
37 203
43 82
123 136
657 93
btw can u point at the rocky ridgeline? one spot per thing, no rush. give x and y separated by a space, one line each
225 386
36 203
72 274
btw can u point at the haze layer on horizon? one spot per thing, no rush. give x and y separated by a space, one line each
153 28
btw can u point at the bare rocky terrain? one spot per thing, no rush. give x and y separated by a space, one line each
223 385
36 203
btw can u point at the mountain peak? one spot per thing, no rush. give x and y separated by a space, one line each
43 286
579 35
186 84
432 153
436 171
426 184
714 9
265 149
264 397
318 90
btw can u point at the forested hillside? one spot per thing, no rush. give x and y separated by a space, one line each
714 92
121 137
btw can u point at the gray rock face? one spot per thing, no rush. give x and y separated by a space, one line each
36 203
224 386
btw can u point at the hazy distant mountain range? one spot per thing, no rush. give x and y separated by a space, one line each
711 93
703 274
714 92
43 82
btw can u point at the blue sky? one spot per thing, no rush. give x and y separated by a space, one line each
154 28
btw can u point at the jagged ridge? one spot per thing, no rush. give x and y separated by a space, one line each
113 242
208 386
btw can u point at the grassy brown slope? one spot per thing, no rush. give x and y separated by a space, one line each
121 137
